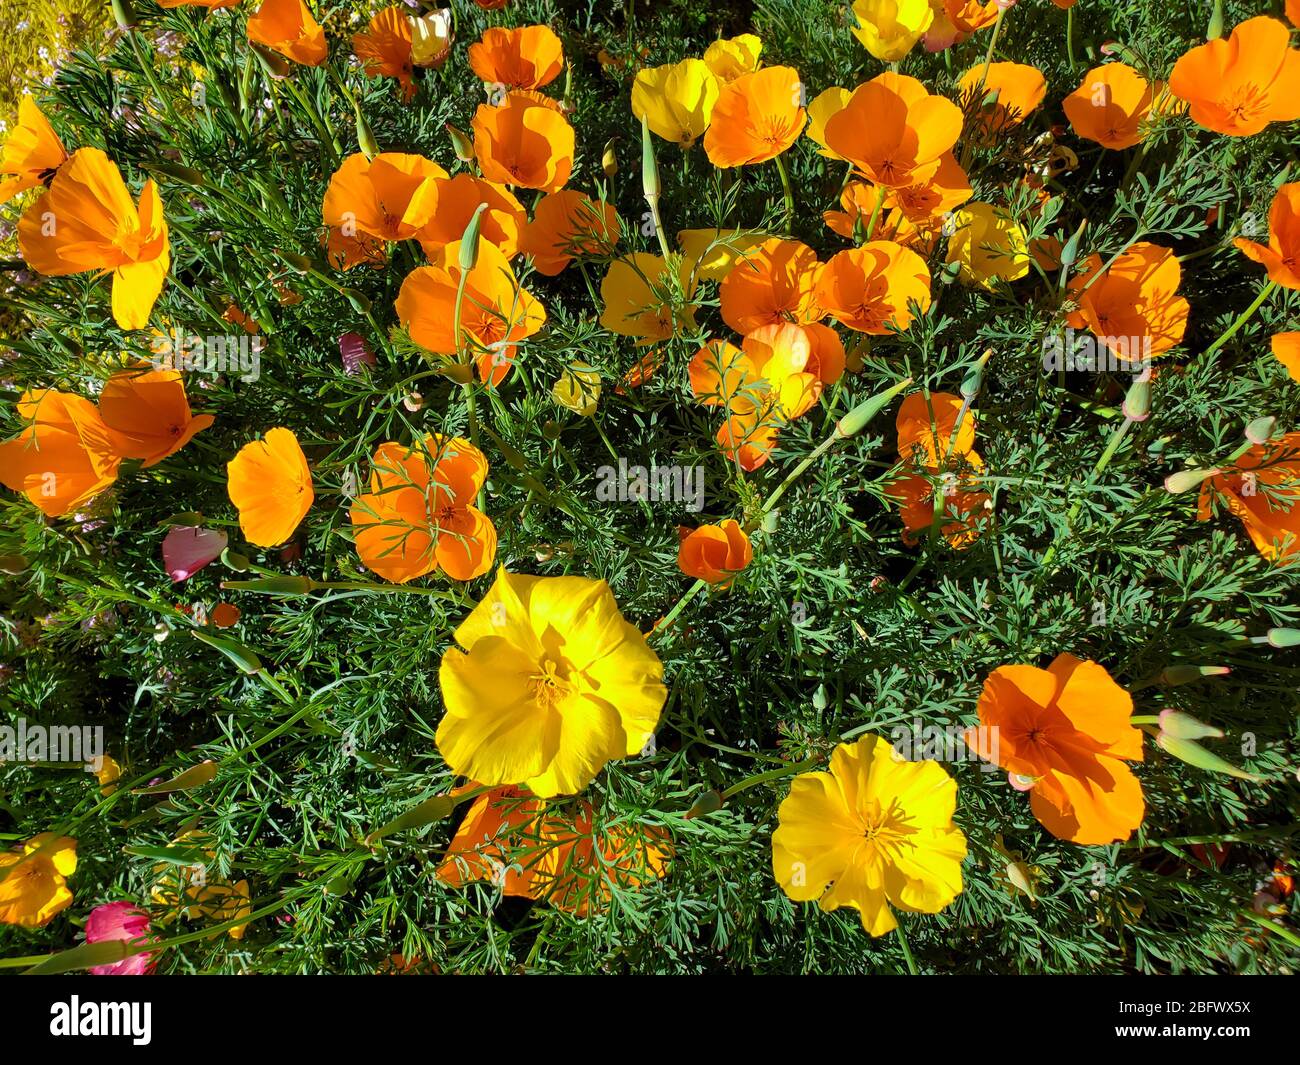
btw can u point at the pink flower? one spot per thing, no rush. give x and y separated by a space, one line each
187 549
124 921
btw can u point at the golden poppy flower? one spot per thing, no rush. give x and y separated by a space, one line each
457 199
194 891
987 245
1017 90
1064 732
577 389
722 375
270 484
927 203
33 880
871 833
860 202
147 414
1286 349
390 197
385 48
870 289
640 297
547 684
86 221
825 104
714 553
780 356
1134 307
730 58
747 439
523 142
420 515
969 16
1240 84
714 252
524 58
756 118
568 224
1111 106
774 283
1262 489
894 131
287 27
676 100
1281 256
495 313
888 29
63 457
32 153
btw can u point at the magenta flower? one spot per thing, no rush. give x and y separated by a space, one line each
187 549
124 921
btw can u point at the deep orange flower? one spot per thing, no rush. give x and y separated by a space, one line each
870 288
747 440
1133 308
1281 257
714 553
33 152
722 375
774 283
420 515
147 414
1239 85
270 484
927 203
523 142
860 202
1017 90
287 27
756 118
384 48
1262 489
641 372
524 58
390 197
495 313
968 16
344 252
1111 106
499 840
567 224
894 131
63 458
1064 733
1286 349
86 221
457 199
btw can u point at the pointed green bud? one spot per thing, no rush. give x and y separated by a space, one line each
469 241
1193 753
1172 676
649 168
1186 480
708 803
856 420
1260 431
1185 727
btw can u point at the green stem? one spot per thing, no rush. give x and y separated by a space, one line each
902 942
1242 319
789 192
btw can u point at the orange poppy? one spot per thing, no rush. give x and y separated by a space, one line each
968 16
270 484
390 197
493 842
774 283
860 202
287 27
1286 349
457 199
1262 489
495 313
1111 106
1016 89
1240 84
523 142
926 426
1281 256
870 289
747 440
927 203
641 372
63 457
147 414
714 553
826 356
385 48
86 221
361 249
419 515
524 58
894 131
32 153
567 224
1064 734
722 375
779 355
756 117
1133 308
641 298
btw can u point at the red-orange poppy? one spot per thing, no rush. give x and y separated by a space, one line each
384 48
457 199
287 27
63 457
524 58
774 283
390 197
714 553
871 289
1262 489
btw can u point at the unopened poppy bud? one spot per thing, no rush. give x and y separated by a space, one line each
649 168
1215 29
288 584
1185 480
366 136
235 561
708 803
609 159
1186 727
299 262
1260 431
359 301
1283 637
275 65
124 14
856 420
974 379
1175 675
1137 404
469 241
1071 250
460 143
1193 753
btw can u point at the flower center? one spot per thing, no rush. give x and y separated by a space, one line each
550 683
